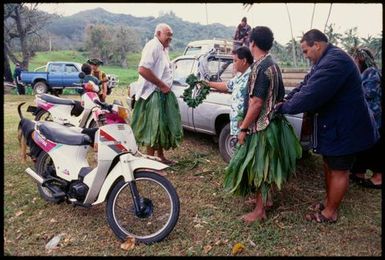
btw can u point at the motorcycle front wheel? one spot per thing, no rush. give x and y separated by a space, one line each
159 205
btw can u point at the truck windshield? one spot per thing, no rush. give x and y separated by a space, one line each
182 68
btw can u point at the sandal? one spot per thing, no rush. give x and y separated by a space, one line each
319 218
354 178
317 207
367 183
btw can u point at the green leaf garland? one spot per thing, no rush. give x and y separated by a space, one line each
193 81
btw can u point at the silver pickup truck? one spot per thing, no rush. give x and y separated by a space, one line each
212 116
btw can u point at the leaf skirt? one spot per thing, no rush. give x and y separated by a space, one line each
266 158
156 121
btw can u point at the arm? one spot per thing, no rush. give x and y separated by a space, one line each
318 90
255 106
150 76
221 86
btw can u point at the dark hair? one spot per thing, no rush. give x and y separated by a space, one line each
86 68
364 57
244 19
263 37
244 53
312 36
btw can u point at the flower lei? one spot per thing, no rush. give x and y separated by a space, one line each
193 81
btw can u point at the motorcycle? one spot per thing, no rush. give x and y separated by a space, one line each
72 112
141 203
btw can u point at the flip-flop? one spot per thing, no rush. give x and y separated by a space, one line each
319 218
317 207
367 183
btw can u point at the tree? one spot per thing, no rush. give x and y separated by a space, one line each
333 36
350 39
124 40
21 22
99 41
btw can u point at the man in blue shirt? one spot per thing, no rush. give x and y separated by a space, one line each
19 84
342 124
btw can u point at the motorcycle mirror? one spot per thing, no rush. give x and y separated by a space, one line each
82 75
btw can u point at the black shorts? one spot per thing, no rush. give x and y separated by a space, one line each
340 163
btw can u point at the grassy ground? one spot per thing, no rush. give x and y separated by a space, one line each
209 222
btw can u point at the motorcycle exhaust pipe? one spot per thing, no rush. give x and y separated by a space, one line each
34 175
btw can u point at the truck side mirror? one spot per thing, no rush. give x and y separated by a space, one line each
82 75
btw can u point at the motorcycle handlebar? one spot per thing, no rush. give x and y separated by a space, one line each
103 105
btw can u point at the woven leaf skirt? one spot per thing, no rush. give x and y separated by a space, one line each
267 157
156 121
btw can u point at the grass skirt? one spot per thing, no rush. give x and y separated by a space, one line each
156 121
267 157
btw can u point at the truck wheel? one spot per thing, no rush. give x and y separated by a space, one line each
40 88
226 143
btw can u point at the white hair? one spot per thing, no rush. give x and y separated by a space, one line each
160 27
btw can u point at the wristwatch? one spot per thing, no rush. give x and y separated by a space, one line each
245 130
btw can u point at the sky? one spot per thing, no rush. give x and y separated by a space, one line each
366 17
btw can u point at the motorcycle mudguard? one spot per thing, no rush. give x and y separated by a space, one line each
125 168
33 110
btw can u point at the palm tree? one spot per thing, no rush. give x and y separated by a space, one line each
333 36
350 39
292 37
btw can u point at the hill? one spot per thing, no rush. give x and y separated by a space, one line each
68 32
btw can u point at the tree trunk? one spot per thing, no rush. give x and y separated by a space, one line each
7 68
23 42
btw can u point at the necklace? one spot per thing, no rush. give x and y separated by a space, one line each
260 59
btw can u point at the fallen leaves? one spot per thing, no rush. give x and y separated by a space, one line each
129 244
19 213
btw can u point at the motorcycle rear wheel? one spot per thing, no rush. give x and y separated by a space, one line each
43 162
161 208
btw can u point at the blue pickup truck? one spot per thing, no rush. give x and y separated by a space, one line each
57 76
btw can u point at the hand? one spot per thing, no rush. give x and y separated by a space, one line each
277 106
164 88
241 137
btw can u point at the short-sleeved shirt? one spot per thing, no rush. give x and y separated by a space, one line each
266 83
154 57
238 88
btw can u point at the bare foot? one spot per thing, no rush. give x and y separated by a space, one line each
253 201
253 216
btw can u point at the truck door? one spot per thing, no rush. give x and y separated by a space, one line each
70 75
181 69
55 74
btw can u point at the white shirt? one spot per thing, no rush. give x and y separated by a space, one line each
154 57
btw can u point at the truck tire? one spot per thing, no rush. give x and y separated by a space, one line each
226 143
40 87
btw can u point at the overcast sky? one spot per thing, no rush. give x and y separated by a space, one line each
366 17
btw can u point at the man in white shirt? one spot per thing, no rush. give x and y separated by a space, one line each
156 120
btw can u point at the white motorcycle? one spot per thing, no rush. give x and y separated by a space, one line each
140 202
72 112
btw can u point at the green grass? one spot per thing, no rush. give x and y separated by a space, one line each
209 217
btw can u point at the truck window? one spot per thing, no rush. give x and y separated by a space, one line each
70 68
220 70
182 68
55 68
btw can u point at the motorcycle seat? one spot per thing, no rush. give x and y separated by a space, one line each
57 100
63 134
